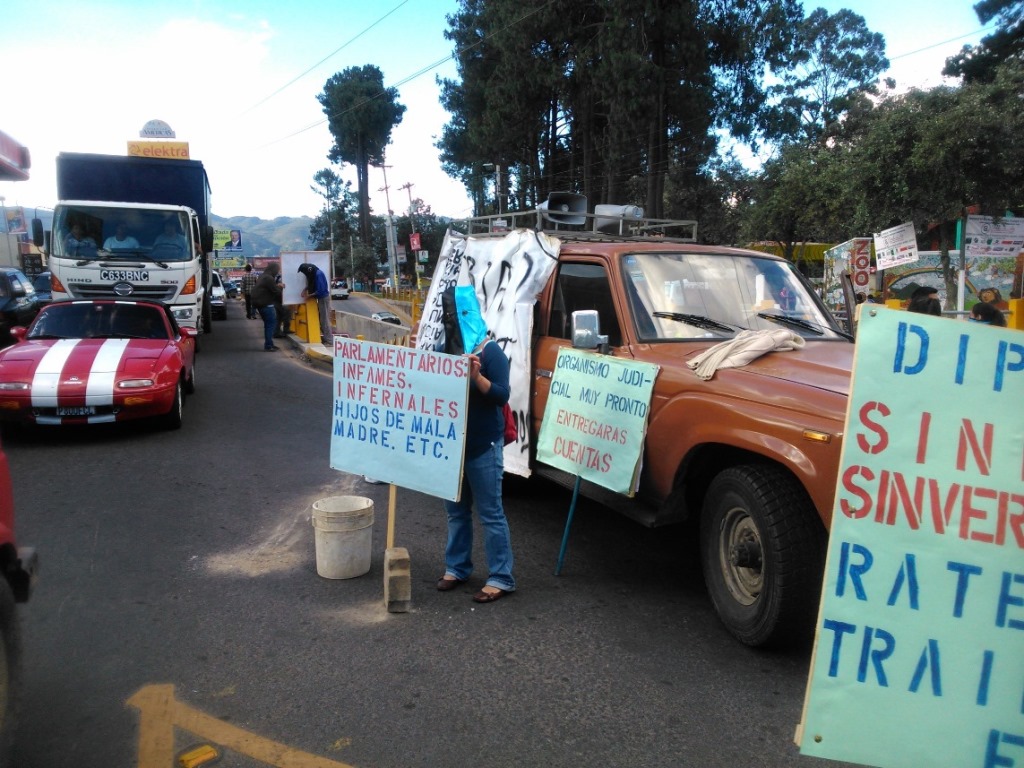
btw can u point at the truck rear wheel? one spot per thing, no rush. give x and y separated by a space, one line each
762 550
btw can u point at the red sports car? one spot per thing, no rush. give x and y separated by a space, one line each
90 362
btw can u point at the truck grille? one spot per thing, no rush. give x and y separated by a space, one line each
93 291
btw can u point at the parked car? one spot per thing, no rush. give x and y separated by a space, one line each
386 317
105 360
339 290
218 298
41 284
19 567
232 288
18 304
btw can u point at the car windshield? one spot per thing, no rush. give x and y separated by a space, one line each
680 296
99 321
89 232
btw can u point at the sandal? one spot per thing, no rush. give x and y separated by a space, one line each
489 597
446 585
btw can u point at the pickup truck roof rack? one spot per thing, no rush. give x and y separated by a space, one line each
565 215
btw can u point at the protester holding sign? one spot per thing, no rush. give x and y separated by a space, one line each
483 466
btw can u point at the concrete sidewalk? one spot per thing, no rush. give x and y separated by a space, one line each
321 355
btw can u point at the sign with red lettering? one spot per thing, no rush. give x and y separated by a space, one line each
919 653
596 418
399 415
860 263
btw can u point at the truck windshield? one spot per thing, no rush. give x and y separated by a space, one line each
680 296
109 233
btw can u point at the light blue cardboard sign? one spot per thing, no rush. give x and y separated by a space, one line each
400 415
596 418
919 654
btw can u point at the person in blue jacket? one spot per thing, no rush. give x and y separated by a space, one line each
317 288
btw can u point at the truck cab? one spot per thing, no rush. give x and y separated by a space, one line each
122 250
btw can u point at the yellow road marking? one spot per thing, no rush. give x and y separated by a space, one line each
160 713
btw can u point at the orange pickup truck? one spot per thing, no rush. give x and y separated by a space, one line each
749 454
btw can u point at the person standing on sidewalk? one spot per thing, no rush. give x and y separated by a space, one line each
317 288
248 282
265 293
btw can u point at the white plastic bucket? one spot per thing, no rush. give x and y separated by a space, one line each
343 528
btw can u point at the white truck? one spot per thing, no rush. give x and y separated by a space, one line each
133 227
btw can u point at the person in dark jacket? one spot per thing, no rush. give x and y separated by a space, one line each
265 293
484 463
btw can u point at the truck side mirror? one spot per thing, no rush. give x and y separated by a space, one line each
586 330
37 232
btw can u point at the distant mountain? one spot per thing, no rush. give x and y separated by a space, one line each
268 238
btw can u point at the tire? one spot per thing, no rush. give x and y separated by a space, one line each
172 419
10 666
207 316
190 382
762 550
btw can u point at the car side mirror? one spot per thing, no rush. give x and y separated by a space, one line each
18 333
586 331
187 332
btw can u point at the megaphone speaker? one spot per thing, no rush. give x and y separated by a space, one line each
614 219
564 208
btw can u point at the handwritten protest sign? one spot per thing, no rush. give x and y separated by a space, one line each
507 274
400 415
596 418
919 656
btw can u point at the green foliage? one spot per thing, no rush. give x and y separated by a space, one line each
361 113
604 97
980 63
836 58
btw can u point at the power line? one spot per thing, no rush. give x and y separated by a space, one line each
303 74
413 76
944 42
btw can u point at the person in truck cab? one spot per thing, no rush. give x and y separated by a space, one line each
78 243
121 240
170 238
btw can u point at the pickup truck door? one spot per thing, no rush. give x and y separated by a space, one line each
577 284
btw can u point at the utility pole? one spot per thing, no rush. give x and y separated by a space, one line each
390 230
408 188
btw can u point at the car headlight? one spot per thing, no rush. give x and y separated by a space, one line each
135 383
10 386
182 314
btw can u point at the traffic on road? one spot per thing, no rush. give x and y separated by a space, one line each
180 612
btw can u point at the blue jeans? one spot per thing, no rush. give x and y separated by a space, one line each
269 322
481 482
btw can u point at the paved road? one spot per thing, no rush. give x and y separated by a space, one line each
186 559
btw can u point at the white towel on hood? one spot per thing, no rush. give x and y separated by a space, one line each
744 347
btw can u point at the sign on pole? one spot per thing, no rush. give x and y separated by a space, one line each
896 245
400 415
596 418
919 654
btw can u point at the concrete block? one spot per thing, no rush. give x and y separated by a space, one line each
397 580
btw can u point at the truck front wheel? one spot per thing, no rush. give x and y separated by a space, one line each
762 550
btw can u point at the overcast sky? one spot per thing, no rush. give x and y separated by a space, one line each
238 81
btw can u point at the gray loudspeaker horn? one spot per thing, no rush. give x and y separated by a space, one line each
620 223
564 208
